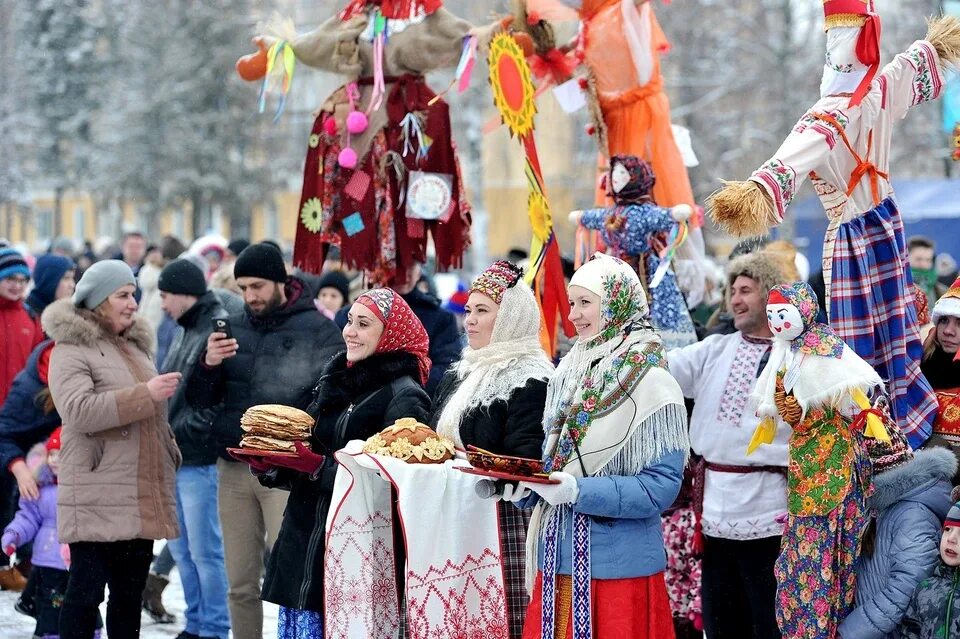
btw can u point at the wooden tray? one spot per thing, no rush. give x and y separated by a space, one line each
493 474
256 452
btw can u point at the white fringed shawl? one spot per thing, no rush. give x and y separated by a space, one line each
513 357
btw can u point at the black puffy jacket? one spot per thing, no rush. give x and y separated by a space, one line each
193 427
349 403
512 427
441 327
280 358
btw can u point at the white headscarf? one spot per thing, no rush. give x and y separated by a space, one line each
513 357
843 71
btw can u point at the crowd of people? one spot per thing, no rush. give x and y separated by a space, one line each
124 380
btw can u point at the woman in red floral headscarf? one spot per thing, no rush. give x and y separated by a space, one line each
377 380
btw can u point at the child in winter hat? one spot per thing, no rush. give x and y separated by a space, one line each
934 611
36 522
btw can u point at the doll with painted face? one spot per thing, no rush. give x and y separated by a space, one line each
818 386
632 229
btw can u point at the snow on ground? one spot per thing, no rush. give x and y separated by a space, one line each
13 625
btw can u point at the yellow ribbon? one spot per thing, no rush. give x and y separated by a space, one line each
874 427
764 434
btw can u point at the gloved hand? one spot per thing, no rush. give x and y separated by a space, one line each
306 460
259 465
575 216
566 492
681 212
514 492
9 542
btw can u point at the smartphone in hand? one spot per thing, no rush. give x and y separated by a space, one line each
221 325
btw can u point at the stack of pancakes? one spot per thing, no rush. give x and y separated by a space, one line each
275 428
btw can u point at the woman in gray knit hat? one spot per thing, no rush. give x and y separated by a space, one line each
118 456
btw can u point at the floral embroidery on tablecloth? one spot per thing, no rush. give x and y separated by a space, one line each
349 599
475 584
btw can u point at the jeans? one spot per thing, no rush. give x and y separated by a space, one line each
121 565
251 516
199 552
739 590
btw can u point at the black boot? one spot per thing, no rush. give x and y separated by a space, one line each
152 601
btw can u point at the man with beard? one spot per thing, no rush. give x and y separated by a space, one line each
742 498
278 348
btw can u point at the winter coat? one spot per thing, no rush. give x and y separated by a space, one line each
934 610
23 421
193 427
118 456
441 327
47 273
626 539
349 403
513 427
910 502
279 360
19 335
36 521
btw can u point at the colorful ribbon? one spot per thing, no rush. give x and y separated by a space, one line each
678 235
281 63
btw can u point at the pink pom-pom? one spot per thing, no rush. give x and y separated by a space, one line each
347 158
330 126
357 122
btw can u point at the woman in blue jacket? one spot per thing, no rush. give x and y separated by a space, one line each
616 446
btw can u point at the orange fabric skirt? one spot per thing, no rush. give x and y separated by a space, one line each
636 608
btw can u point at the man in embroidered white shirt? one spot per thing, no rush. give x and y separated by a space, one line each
744 498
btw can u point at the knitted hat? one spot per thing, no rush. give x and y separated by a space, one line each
953 517
458 301
100 280
498 277
47 273
237 246
337 280
53 442
12 263
949 304
260 260
182 277
887 455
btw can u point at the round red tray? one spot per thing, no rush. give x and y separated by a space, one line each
493 474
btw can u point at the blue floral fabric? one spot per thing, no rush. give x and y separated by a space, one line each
293 623
627 231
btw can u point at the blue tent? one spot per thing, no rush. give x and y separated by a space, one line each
927 207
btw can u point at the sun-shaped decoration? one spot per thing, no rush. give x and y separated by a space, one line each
513 90
541 220
312 215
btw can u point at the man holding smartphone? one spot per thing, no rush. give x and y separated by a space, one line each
277 350
198 551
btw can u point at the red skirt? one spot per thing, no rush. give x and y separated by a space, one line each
637 608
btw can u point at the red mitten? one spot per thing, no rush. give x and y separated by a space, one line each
306 460
258 465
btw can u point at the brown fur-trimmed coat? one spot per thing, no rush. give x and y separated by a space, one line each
118 459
